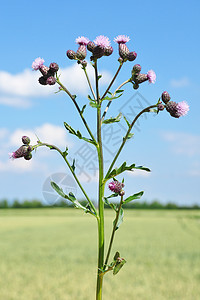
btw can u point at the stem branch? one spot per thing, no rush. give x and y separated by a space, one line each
113 233
126 136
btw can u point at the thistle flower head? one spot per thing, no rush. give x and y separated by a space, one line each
81 40
182 108
102 41
177 110
37 63
116 186
12 155
121 39
21 152
151 76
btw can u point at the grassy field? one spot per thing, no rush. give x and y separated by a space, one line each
50 254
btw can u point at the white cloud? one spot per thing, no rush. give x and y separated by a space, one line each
139 173
48 133
16 102
23 84
10 142
179 83
15 88
75 80
183 143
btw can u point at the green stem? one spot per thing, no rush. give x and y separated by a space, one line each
109 103
100 196
126 136
89 83
113 233
77 107
72 171
112 81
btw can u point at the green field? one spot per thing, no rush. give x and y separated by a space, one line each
50 254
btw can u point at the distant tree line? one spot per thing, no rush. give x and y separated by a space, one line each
35 203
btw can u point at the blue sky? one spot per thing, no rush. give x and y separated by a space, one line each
166 39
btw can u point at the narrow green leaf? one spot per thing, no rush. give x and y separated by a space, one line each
65 153
73 165
119 265
94 104
113 120
121 218
112 97
119 91
58 189
78 134
83 108
123 168
99 77
127 122
134 197
117 255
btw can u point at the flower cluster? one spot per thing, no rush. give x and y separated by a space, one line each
124 52
48 73
116 187
23 151
137 77
175 109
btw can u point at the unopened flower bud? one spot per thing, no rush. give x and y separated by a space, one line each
131 56
141 78
43 80
136 86
136 69
108 51
51 80
25 140
84 63
91 46
122 193
44 70
165 97
160 106
120 60
28 156
54 67
71 54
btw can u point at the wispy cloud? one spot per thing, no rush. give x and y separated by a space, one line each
16 102
180 83
139 173
48 133
17 89
183 143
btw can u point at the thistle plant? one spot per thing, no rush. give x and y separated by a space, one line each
101 48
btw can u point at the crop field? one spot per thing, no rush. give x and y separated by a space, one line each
50 254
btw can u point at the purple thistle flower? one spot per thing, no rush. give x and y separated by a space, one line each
81 40
37 64
115 186
151 76
177 110
102 41
21 152
121 39
182 108
12 155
